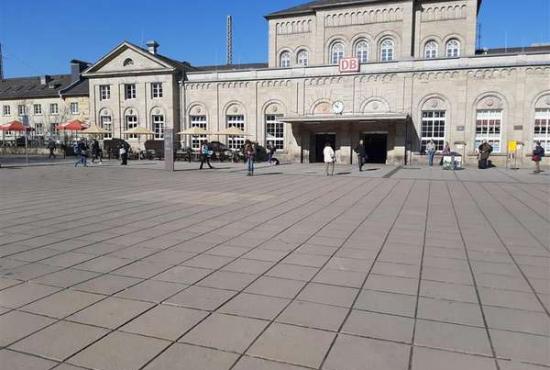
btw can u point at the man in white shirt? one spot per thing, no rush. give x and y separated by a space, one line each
330 159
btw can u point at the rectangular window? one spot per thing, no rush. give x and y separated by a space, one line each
433 128
542 128
158 127
235 142
37 109
21 110
488 127
6 110
74 108
275 131
54 109
106 123
130 91
131 123
39 127
156 90
198 121
104 92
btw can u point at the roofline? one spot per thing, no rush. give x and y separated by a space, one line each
313 8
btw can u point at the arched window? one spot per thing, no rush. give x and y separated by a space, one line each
453 48
387 47
431 49
303 58
362 51
128 62
336 53
285 59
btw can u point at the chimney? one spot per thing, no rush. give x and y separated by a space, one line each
77 67
152 46
45 79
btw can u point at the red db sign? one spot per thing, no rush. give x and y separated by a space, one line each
349 65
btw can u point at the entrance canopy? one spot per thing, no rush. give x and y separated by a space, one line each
354 118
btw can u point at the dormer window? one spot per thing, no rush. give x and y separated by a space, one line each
128 62
285 59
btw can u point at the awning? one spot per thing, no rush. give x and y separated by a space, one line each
354 118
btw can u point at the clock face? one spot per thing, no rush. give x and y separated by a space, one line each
338 107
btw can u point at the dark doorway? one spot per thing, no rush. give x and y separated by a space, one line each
320 142
376 146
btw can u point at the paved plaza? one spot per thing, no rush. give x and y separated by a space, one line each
111 268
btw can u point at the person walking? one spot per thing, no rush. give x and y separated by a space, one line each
361 155
538 154
431 149
205 154
270 152
249 154
485 150
81 149
123 152
96 152
330 159
52 147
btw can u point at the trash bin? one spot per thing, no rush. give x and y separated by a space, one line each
452 162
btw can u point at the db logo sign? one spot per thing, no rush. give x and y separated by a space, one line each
349 65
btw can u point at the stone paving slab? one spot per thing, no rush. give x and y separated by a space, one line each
396 268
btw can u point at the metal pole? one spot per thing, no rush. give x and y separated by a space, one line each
26 149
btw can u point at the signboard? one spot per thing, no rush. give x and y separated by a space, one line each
512 146
349 65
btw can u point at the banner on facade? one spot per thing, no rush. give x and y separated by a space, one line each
512 146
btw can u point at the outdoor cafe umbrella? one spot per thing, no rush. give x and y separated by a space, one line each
139 131
75 125
94 130
19 127
195 131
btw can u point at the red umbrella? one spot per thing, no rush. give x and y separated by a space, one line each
75 125
15 126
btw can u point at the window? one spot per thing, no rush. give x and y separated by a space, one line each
54 109
6 110
131 123
200 122
303 58
238 122
22 110
387 50
362 51
158 127
336 53
275 131
542 128
156 90
285 59
488 127
106 122
128 62
431 49
130 91
433 128
453 48
104 92
74 108
39 129
37 109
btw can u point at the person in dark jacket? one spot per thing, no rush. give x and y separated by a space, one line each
96 151
538 154
52 147
82 152
485 150
361 155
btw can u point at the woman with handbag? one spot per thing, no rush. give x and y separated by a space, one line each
330 159
249 153
538 154
205 155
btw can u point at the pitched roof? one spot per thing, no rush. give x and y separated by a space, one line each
32 88
310 7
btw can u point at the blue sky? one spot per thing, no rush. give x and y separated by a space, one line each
41 37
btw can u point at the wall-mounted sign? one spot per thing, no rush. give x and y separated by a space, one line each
460 128
349 65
